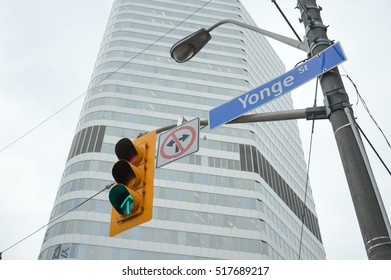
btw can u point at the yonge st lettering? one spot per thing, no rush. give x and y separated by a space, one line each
276 89
315 66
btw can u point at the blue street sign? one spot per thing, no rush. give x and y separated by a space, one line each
317 65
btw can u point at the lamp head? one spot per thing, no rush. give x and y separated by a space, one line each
189 46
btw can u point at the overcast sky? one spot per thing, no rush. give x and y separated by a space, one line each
47 53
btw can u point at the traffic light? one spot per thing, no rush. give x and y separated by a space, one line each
132 194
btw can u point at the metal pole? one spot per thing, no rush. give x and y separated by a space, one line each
311 113
370 211
283 39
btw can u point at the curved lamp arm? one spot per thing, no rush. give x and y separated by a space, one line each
189 46
283 39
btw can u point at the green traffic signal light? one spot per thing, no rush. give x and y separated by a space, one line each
132 196
122 200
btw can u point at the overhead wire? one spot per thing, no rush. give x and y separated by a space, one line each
308 173
287 21
59 217
304 8
74 100
145 49
312 128
373 148
100 82
360 98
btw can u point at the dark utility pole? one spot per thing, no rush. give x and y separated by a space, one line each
370 211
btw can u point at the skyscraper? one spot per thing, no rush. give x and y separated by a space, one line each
242 196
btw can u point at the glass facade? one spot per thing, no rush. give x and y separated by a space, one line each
242 196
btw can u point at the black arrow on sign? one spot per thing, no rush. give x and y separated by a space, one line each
172 142
184 137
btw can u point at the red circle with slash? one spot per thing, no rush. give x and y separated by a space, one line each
178 138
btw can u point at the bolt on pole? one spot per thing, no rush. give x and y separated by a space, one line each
369 208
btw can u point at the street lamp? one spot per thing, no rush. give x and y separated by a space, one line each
189 46
371 214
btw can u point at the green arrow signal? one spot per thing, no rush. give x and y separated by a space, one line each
128 204
121 199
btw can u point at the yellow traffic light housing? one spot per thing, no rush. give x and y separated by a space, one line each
132 195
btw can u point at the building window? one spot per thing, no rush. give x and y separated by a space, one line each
87 140
251 160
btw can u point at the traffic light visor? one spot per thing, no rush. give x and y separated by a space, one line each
127 150
132 196
126 173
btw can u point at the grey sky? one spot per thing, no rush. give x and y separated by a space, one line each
47 53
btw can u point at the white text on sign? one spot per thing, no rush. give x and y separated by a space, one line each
275 89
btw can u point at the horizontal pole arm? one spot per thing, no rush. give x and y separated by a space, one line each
311 113
307 113
303 46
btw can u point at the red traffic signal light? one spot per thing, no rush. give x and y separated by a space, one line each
132 195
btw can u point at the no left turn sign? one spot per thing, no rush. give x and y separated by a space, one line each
178 142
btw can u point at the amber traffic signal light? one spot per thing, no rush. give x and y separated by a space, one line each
132 195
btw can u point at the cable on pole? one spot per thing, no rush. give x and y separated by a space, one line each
307 177
360 98
374 149
59 217
100 82
70 103
286 19
304 8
